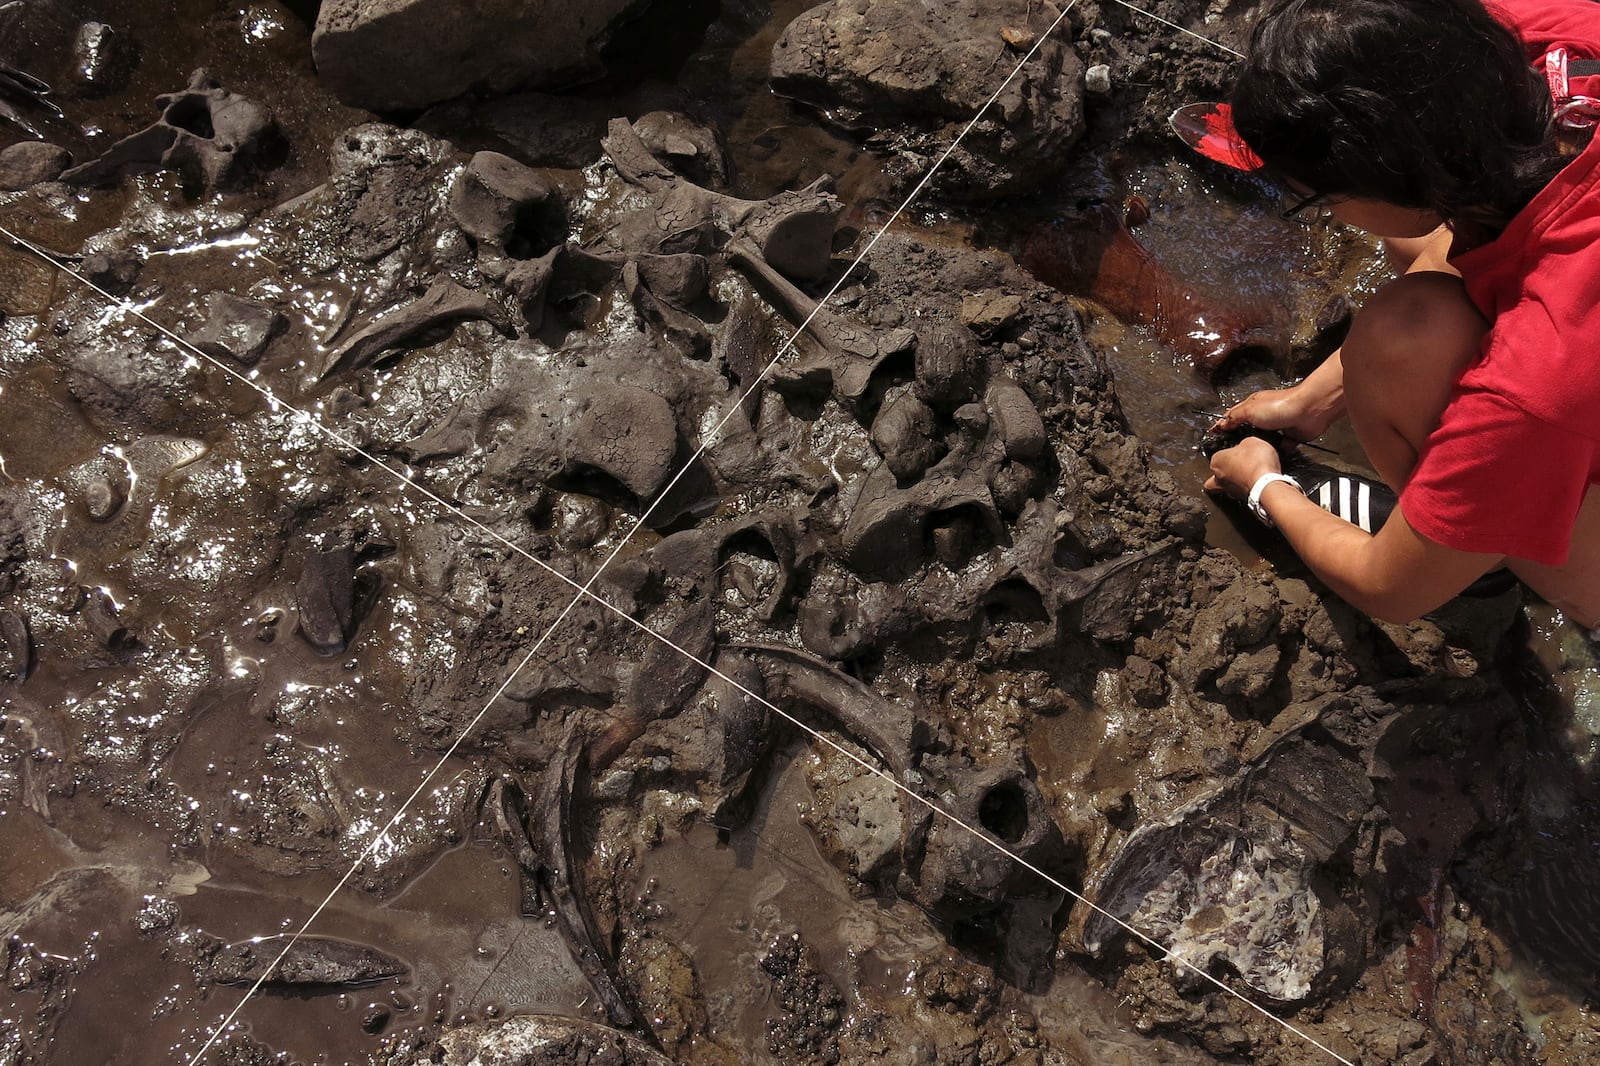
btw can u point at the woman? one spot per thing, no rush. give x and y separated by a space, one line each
1472 381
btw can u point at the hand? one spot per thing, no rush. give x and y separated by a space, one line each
1298 411
1235 470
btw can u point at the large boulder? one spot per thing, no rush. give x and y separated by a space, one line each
927 68
402 55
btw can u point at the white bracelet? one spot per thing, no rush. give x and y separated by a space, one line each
1254 499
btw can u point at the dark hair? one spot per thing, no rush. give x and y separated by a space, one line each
1417 103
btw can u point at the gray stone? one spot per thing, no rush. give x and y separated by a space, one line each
237 328
929 68
103 59
325 595
532 1040
27 163
1017 419
397 55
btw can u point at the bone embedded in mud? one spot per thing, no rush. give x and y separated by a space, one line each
212 136
310 961
444 302
16 648
508 207
791 233
626 432
325 596
906 435
552 833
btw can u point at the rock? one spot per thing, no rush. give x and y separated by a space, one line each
237 328
1017 419
813 1008
904 61
114 270
103 499
661 976
27 163
1097 79
310 961
400 55
868 827
99 614
210 135
987 312
1234 874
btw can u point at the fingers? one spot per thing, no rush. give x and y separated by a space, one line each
1230 419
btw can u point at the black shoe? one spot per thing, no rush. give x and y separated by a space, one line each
1367 505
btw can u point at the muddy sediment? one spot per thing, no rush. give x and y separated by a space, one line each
458 357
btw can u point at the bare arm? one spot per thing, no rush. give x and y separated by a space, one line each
1305 410
1397 575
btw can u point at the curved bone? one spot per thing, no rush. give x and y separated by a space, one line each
540 838
309 961
1234 872
891 732
444 302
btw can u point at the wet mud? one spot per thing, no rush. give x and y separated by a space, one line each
292 606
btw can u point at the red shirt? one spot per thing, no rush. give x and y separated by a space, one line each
1518 444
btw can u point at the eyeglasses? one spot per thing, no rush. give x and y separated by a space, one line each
1294 208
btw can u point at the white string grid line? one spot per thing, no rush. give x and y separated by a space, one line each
1218 45
585 591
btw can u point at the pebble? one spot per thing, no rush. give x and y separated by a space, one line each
102 499
1097 79
27 163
